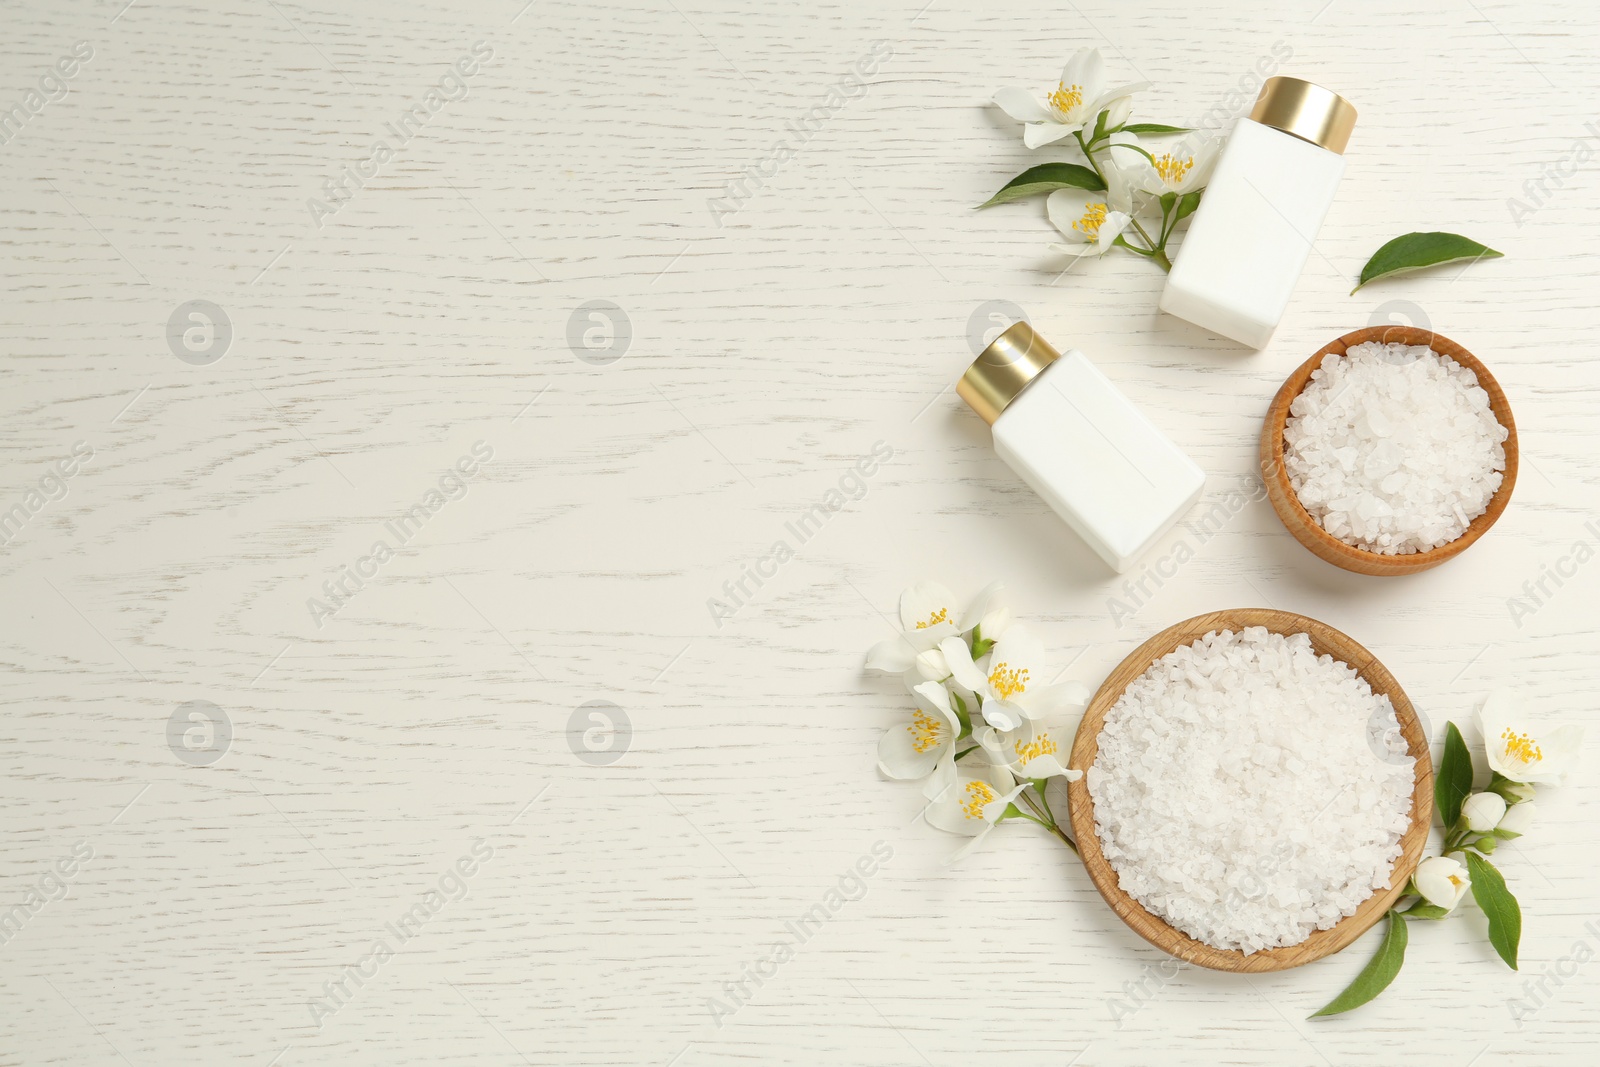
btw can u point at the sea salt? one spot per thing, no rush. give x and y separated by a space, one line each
1393 448
1249 791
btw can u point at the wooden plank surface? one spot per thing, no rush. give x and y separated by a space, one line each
420 318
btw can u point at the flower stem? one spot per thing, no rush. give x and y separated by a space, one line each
1065 840
1035 818
1044 801
1158 251
1456 838
1051 824
1098 173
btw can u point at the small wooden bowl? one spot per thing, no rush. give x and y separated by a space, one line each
1307 530
1086 746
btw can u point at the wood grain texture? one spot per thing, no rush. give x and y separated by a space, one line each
767 355
1325 641
1307 530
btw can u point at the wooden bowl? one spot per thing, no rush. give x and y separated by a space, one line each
1086 746
1299 522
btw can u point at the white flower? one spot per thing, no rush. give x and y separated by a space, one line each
928 615
1087 219
1074 105
1517 752
1180 171
1009 680
1442 881
914 749
971 799
1483 811
1035 749
1519 819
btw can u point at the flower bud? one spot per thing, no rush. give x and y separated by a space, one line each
1483 811
931 666
1519 819
1118 112
1514 792
995 623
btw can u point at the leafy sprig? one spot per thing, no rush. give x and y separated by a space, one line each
1095 144
1452 787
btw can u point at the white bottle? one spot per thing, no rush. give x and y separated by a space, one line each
1261 210
1080 444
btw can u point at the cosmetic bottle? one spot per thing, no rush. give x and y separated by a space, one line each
1260 212
1080 444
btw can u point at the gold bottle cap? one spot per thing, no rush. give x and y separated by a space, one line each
1004 369
1307 111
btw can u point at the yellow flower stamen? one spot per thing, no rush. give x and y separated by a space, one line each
1521 747
1094 216
1172 170
934 619
925 731
1066 98
1008 681
979 795
1028 751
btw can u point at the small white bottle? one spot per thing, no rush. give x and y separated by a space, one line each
1260 212
1080 444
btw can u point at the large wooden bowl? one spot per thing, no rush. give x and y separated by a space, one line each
1307 530
1086 746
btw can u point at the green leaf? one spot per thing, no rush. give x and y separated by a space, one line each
1454 781
1499 907
1046 178
966 752
1413 251
1424 910
1375 976
1153 129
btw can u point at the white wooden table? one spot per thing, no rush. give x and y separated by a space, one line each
415 740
